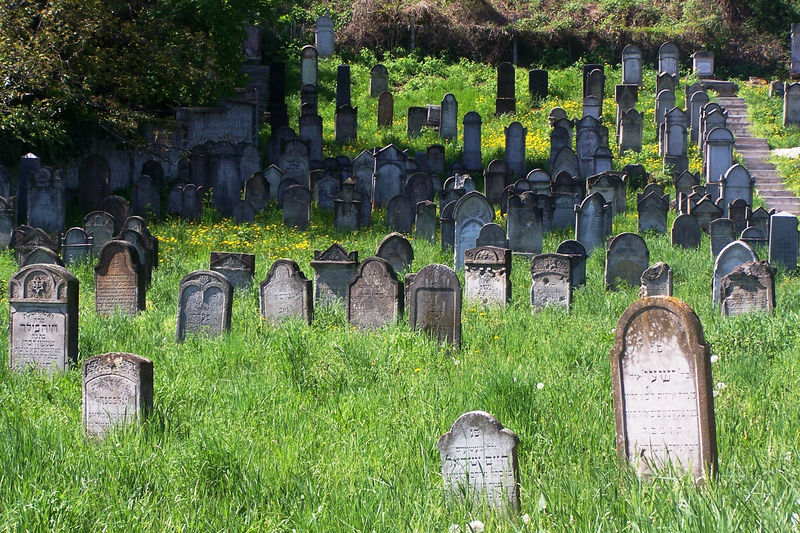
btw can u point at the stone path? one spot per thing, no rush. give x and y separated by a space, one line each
755 152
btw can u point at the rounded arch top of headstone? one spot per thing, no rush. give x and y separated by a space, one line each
324 22
472 118
42 256
668 48
309 51
113 247
438 275
739 174
594 202
736 249
556 114
285 268
476 201
76 235
719 135
631 50
572 247
207 277
396 246
628 240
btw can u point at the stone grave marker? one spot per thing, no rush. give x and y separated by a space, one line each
205 300
286 294
592 107
627 257
374 297
119 280
8 220
24 239
425 223
309 61
243 212
145 198
722 234
590 221
117 391
515 149
297 207
138 225
479 462
43 318
47 208
685 232
754 237
487 275
656 281
652 211
471 156
333 269
323 36
733 255
416 119
385 110
274 175
492 234
100 225
718 157
705 211
76 245
791 103
448 128
749 287
346 124
632 65
551 276
325 189
470 213
434 304
495 178
41 256
378 80
28 164
119 208
448 226
662 389
631 123
525 224
399 214
506 101
537 83
347 207
577 254
238 268
759 218
783 240
397 251
256 191
736 184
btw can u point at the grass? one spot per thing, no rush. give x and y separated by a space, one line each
323 428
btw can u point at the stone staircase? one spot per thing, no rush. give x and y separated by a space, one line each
755 153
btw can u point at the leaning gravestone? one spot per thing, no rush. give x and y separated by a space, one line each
119 283
333 269
385 110
43 318
487 275
749 287
286 293
783 240
627 258
76 245
434 303
238 268
100 225
117 390
662 388
397 251
754 236
577 254
733 255
374 297
479 462
205 300
551 277
656 281
685 232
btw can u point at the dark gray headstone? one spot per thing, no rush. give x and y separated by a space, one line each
94 182
434 304
627 257
783 240
100 225
492 234
47 207
685 232
205 300
397 251
145 198
286 293
425 223
333 269
722 234
374 296
76 245
577 253
537 83
42 256
297 207
525 227
399 214
238 268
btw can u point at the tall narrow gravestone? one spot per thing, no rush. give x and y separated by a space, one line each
117 390
342 86
627 258
286 293
374 296
479 462
662 388
551 281
236 267
434 304
783 240
506 101
470 213
43 318
119 284
487 275
205 300
333 269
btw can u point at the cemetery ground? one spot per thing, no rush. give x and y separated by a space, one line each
324 428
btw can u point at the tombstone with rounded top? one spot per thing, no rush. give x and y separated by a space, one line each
434 303
733 255
309 59
627 257
590 221
632 65
76 245
374 297
577 254
323 36
42 256
205 300
286 293
685 232
470 213
119 280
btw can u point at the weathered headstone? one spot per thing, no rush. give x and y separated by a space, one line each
652 211
145 198
718 156
41 256
448 226
662 389
100 225
471 156
347 207
47 207
205 300
736 184
286 293
238 268
434 304
495 179
754 237
627 257
323 36
24 239
577 254
722 232
705 211
8 221
76 245
309 61
487 275
525 226
333 269
733 255
656 281
448 127
703 64
399 214
297 207
117 391
668 56
492 234
515 149
685 232
397 251
119 280
537 83
632 65
425 223
470 213
43 318
256 191
791 103
747 288
346 124
374 297
552 281
385 110
783 243
416 118
590 221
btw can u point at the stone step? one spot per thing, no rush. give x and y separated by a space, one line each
778 194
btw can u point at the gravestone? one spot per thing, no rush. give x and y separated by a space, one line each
347 207
297 207
783 237
794 64
776 89
434 304
722 233
759 218
385 110
668 56
705 211
595 82
433 116
76 245
697 102
506 101
309 63
487 275
225 177
515 149
750 287
397 251
627 257
577 254
674 141
274 175
28 164
656 281
471 156
685 232
378 80
718 156
100 226
448 128
286 294
43 318
791 104
138 225
495 179
684 183
309 100
117 207
278 115
94 182
325 188
119 280
703 64
736 184
754 237
588 138
416 119
733 255
525 226
205 300
243 212
470 213
399 214
342 86
630 127
590 221
143 250
662 389
256 191
310 132
425 223
346 124
538 180
479 463
117 391
537 83
632 65
551 276
418 188
24 239
323 36
492 234
145 198
374 297
8 221
41 256
47 208
333 269
652 211
448 226
238 268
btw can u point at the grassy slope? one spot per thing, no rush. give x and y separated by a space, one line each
322 428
